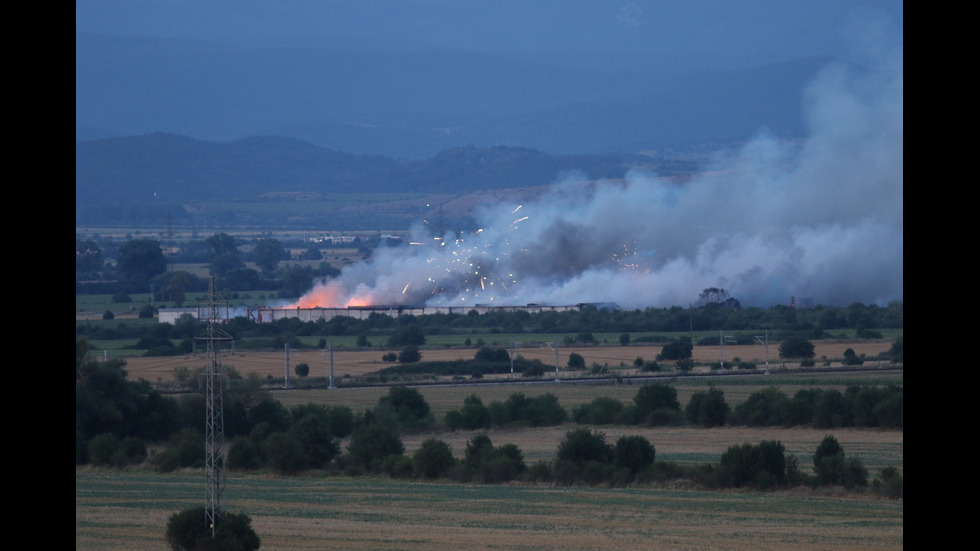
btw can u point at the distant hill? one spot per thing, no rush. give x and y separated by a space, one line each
415 103
146 179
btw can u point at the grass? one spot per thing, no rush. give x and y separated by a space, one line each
129 510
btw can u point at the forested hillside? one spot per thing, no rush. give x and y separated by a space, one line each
146 179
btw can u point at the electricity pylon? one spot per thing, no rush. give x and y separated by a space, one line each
214 424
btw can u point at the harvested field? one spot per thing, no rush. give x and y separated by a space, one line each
358 363
129 510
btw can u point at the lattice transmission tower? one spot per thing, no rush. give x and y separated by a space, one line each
215 377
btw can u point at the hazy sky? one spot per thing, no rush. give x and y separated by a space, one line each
820 217
758 29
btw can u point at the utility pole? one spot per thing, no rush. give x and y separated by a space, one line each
765 344
721 349
332 386
513 350
554 346
214 424
285 383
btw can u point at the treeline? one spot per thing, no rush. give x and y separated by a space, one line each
379 329
116 419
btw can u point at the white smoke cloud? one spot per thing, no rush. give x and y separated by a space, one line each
820 219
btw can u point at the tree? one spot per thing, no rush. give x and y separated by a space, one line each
487 354
177 287
851 358
186 531
897 351
678 349
633 453
831 467
763 465
408 404
225 263
312 253
409 355
576 361
141 259
372 443
796 347
222 243
296 281
433 459
763 408
224 254
828 461
602 410
707 409
313 431
714 295
656 396
409 334
267 254
474 414
88 256
302 369
581 446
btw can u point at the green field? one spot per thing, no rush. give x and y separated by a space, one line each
129 510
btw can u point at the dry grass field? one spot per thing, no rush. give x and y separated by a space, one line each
128 509
116 511
357 363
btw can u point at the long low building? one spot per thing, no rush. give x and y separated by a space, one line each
263 315
270 314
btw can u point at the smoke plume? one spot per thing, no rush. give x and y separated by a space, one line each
821 218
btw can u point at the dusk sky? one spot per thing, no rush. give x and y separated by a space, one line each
818 215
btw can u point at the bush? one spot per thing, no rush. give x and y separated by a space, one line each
533 372
889 483
186 531
302 369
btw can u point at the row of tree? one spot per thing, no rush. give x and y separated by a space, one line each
106 403
116 417
303 437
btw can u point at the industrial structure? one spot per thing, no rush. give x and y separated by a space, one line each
267 314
